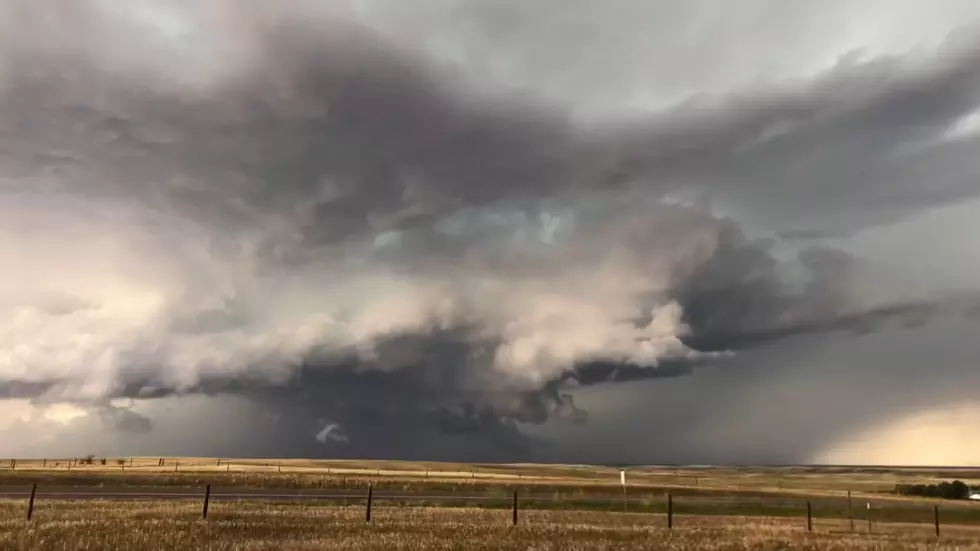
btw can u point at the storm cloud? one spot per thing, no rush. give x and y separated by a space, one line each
301 209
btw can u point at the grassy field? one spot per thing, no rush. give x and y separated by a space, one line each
706 490
254 526
312 473
561 507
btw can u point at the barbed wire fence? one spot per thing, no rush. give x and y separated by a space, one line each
669 510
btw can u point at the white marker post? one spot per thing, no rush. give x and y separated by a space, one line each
622 480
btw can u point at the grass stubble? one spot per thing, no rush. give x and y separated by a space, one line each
742 504
251 526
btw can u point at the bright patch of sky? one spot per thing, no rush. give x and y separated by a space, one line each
517 226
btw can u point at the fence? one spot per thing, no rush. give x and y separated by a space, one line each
666 508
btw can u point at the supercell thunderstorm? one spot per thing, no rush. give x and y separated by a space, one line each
287 207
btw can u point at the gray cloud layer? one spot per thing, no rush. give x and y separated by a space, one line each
290 207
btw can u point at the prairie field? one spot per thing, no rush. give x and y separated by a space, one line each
315 473
156 503
101 525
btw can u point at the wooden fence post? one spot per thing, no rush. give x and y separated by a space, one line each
515 507
369 498
30 503
809 518
935 516
670 511
207 499
45 463
850 511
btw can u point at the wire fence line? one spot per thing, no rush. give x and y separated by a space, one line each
669 508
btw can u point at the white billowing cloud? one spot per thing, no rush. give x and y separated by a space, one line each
597 284
554 332
92 290
167 306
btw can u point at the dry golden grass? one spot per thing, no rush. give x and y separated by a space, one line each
732 492
253 526
265 472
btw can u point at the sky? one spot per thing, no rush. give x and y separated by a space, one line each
575 231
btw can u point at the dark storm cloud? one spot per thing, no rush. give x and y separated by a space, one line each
795 401
125 420
345 132
344 232
332 127
863 144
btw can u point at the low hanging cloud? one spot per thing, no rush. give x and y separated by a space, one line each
309 208
330 433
